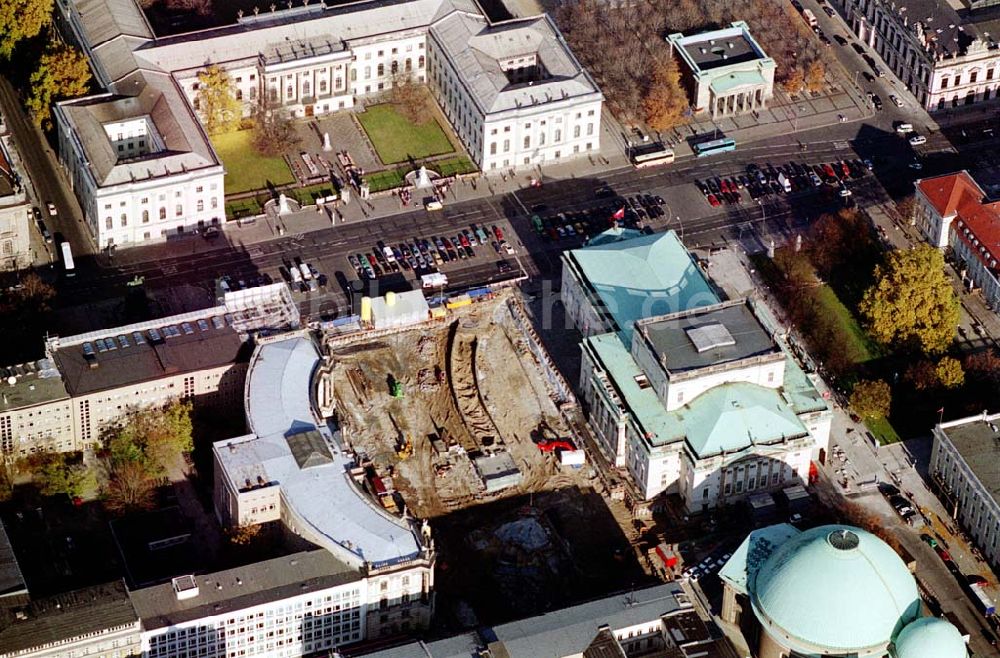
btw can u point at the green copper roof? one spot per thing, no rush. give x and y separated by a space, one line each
834 589
614 234
642 277
730 81
930 637
753 552
732 417
729 417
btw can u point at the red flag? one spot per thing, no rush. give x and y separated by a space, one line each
619 214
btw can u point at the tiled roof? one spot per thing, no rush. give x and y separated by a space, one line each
976 221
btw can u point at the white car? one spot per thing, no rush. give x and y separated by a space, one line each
917 140
896 100
52 209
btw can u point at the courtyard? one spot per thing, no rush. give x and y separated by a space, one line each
246 169
397 140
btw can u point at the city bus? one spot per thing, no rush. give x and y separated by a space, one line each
67 256
655 154
715 146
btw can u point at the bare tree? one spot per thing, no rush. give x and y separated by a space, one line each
273 130
410 98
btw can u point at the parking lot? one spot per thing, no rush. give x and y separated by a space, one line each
761 182
425 256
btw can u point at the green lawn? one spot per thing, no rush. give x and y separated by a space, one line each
397 140
856 337
245 168
453 166
882 430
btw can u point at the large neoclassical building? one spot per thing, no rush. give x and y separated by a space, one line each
143 167
833 591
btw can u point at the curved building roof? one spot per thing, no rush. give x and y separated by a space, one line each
834 589
930 637
302 456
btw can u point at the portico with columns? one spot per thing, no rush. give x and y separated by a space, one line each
725 72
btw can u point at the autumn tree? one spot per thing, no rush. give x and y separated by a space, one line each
152 436
912 301
128 488
59 473
815 76
665 101
139 449
795 81
199 7
221 111
410 98
242 535
871 398
921 375
949 372
21 19
273 130
62 72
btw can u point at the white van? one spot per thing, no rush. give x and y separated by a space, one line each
904 128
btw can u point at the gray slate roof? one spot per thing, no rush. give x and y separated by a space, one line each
236 589
566 632
186 147
63 616
474 47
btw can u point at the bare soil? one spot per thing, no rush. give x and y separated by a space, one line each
470 387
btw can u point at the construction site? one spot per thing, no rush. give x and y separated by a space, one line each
454 412
461 421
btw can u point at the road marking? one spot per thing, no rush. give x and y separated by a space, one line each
169 269
840 146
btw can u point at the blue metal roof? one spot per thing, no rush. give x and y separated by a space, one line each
643 277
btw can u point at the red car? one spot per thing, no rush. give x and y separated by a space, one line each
498 233
464 240
828 170
713 201
844 168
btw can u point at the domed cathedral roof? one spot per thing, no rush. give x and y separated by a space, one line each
834 590
930 637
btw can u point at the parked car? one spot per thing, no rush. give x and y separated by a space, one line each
44 230
917 140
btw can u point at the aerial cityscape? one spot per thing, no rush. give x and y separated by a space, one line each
499 328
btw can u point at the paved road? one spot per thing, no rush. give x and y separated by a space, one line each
43 169
327 248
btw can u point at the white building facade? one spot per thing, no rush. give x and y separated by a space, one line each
88 381
943 59
144 169
726 72
731 421
953 211
962 467
296 605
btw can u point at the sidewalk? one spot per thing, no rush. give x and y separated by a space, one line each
266 228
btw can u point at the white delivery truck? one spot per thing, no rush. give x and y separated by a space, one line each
785 184
434 280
